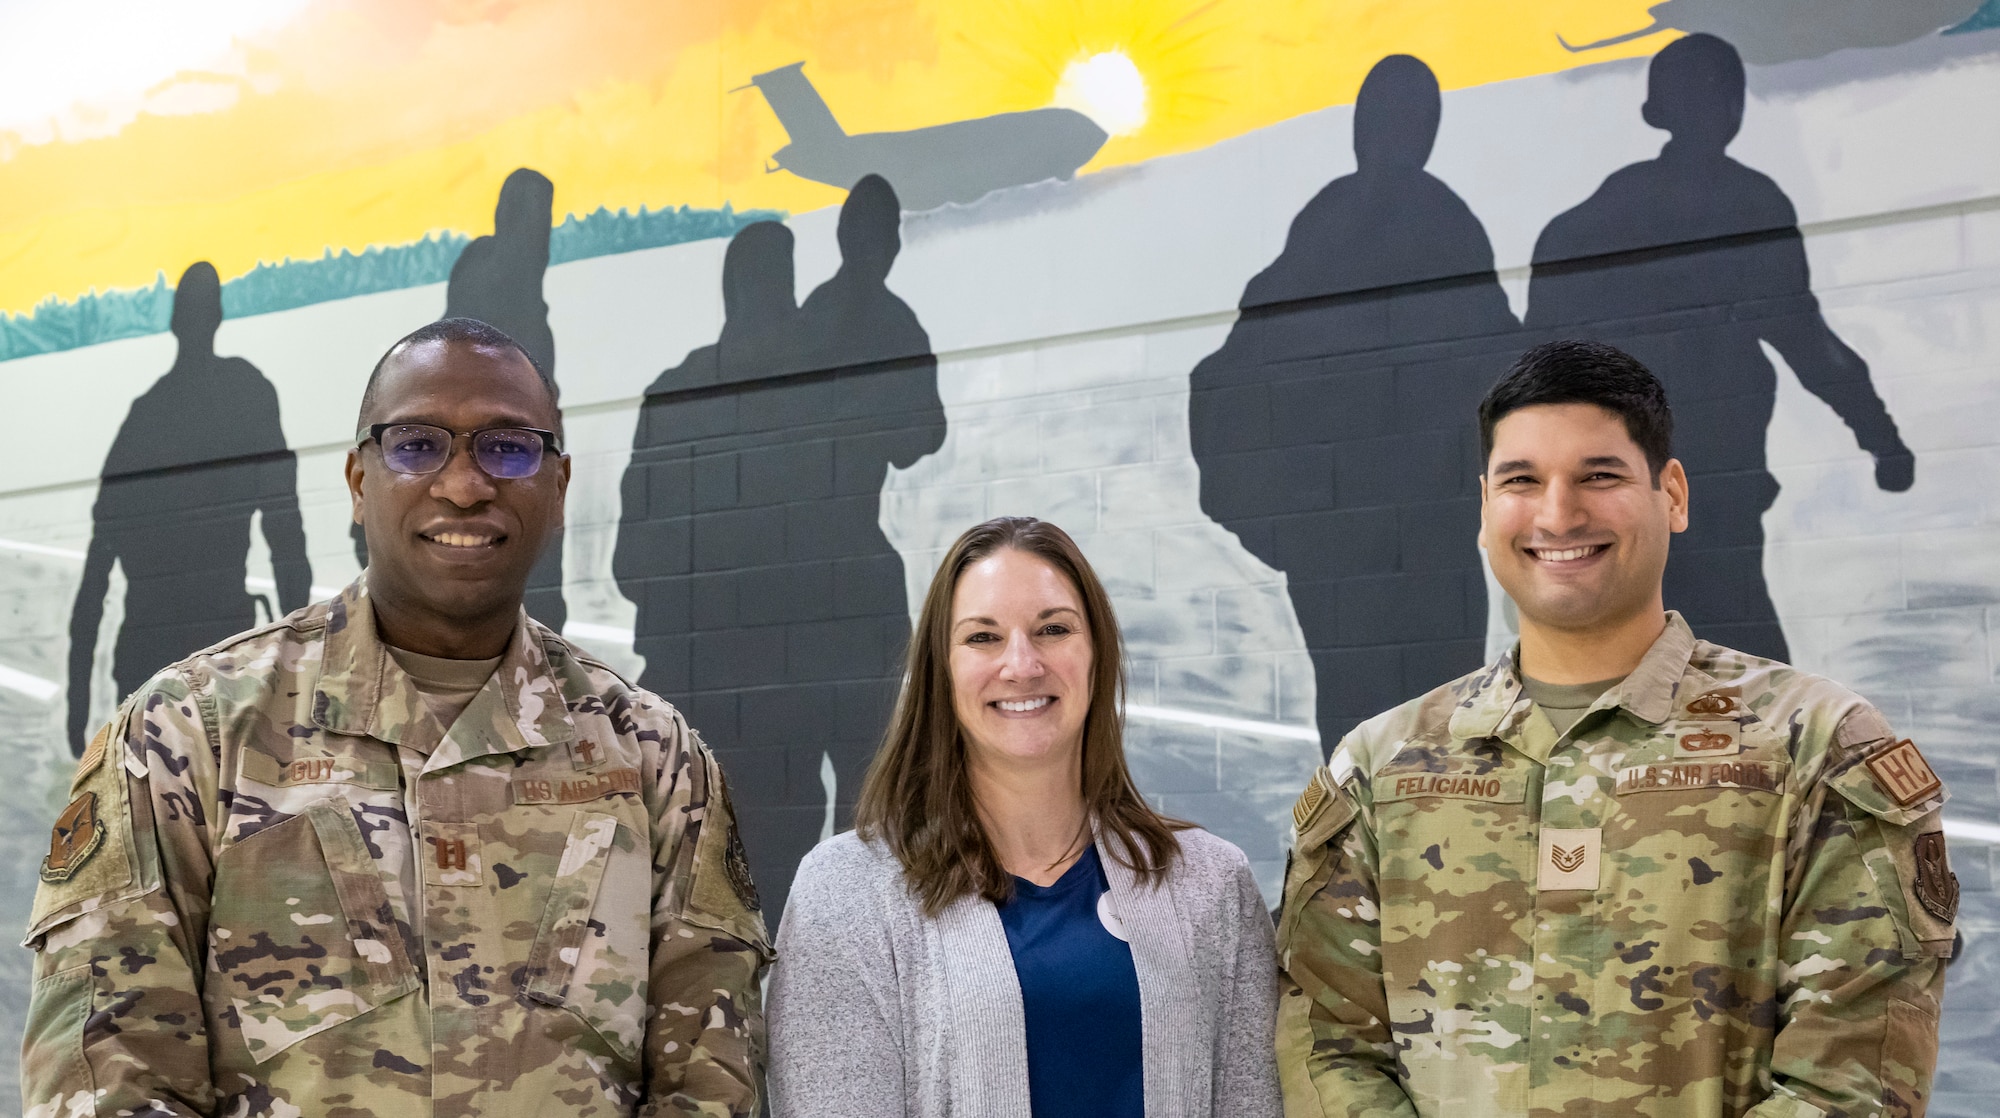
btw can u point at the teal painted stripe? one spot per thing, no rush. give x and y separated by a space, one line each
102 316
1985 19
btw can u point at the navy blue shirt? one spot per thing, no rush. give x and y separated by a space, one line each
1081 995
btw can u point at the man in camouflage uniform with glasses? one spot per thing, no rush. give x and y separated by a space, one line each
407 851
1621 870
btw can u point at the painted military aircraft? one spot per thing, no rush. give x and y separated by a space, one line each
958 162
1769 31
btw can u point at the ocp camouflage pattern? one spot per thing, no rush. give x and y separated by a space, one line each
1702 901
313 899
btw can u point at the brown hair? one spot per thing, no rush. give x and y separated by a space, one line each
917 798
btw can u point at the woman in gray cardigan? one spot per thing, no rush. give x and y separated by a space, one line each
1011 931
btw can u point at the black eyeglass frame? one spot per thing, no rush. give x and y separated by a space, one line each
551 444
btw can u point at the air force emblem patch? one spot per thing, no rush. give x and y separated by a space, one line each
77 835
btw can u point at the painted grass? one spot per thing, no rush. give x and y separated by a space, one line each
103 316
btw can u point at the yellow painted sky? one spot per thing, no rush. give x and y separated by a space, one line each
374 122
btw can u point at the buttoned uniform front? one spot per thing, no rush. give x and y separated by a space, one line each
310 897
1710 897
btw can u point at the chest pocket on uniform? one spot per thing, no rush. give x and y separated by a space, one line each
302 937
594 942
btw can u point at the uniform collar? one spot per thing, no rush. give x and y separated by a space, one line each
362 691
1650 690
1495 705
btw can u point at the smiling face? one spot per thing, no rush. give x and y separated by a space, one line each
1020 662
1571 520
449 553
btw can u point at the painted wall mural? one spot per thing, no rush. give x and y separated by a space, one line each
198 457
1215 286
1691 262
770 604
1331 427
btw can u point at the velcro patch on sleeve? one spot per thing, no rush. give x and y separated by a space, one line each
90 861
1311 802
74 839
1323 810
1903 774
1936 886
92 757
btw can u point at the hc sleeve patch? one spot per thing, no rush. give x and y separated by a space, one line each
1891 781
1903 773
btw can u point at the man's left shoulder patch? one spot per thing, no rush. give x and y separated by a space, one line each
76 837
91 859
92 757
1311 801
1903 774
1936 886
736 864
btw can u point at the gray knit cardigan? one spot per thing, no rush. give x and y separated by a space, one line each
877 1010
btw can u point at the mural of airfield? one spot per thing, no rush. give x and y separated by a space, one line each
1239 365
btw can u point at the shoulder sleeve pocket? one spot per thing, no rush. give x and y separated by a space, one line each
1899 828
1888 779
1324 811
721 895
92 859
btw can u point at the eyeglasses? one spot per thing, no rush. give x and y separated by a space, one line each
502 452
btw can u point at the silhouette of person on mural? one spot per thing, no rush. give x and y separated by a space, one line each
498 280
1687 262
1334 429
199 454
771 606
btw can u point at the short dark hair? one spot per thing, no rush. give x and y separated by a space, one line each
471 331
1579 372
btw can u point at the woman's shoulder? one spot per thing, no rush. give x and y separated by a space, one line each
849 890
848 852
1209 855
1215 888
1206 864
844 866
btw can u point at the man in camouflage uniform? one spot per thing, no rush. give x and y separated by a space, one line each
407 852
1620 870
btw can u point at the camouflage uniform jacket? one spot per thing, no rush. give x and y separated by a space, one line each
1722 892
283 888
